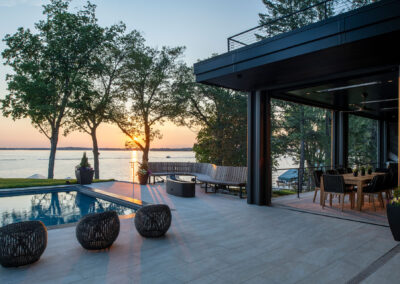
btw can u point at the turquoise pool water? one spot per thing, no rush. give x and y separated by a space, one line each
55 208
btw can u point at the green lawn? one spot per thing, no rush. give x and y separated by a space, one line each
26 182
283 192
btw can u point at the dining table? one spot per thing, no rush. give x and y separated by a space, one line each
360 181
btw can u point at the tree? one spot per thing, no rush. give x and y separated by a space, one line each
49 67
221 115
303 132
150 82
98 100
362 141
222 138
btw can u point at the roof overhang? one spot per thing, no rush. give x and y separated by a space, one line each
351 47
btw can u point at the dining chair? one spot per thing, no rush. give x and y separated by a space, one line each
388 185
341 171
349 170
334 185
317 174
332 172
375 187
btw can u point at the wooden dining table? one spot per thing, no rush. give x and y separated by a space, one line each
349 179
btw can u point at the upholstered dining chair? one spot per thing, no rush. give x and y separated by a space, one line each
334 185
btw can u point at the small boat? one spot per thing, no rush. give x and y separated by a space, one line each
168 157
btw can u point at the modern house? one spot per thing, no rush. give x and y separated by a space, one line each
347 63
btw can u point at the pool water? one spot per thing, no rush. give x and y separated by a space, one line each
55 208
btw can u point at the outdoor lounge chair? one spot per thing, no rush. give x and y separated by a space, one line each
334 185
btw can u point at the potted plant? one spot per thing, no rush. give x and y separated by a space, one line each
369 169
143 173
393 215
84 172
355 171
362 171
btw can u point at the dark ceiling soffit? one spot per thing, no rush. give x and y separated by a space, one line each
354 74
294 99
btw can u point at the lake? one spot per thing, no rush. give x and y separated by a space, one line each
113 164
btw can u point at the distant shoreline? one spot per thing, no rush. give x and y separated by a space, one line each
101 149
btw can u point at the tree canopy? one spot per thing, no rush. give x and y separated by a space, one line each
49 67
150 84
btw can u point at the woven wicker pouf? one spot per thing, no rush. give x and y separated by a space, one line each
98 231
153 221
22 243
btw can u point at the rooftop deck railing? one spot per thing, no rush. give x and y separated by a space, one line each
297 19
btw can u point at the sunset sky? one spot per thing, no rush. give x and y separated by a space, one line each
201 26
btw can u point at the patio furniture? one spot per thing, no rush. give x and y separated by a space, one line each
374 188
359 181
179 187
98 231
317 181
341 171
22 243
388 185
349 170
153 221
332 172
205 173
334 184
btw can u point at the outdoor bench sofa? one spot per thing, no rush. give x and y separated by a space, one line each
203 172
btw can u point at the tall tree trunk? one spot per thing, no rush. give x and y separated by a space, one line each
302 146
146 148
95 153
53 149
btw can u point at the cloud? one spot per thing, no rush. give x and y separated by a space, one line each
12 3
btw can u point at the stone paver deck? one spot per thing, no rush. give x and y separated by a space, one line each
305 203
215 238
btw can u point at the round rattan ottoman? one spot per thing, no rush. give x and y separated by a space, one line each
98 231
22 243
153 221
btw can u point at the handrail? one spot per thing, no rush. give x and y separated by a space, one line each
251 35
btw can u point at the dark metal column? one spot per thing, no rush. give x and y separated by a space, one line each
382 143
259 182
343 139
339 139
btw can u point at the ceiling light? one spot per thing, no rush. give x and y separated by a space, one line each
349 87
379 101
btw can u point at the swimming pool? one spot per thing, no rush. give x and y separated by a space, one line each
55 207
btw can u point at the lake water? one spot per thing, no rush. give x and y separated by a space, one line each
113 164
